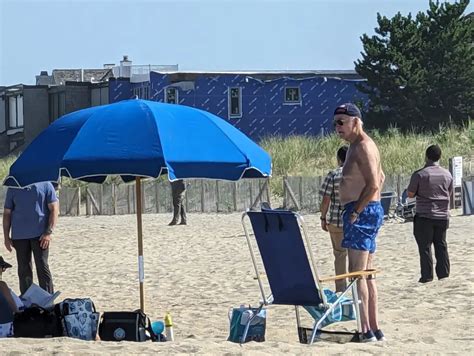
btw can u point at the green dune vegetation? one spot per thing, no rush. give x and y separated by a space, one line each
402 153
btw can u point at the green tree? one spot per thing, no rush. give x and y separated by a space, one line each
420 71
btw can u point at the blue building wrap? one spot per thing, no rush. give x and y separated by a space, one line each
263 108
119 89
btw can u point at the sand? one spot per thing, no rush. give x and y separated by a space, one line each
197 272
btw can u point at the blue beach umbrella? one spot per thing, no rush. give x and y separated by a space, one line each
137 139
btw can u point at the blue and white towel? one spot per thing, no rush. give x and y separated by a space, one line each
6 330
344 311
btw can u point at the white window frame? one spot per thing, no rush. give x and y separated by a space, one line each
3 116
292 102
15 112
229 102
141 92
176 94
136 92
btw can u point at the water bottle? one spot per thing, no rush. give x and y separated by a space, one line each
169 327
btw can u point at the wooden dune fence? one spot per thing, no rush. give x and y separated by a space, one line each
206 196
302 193
201 196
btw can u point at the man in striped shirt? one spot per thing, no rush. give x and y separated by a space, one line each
333 223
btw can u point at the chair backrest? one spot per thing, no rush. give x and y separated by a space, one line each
386 201
404 197
407 206
285 258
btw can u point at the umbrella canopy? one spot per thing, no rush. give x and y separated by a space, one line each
135 139
139 138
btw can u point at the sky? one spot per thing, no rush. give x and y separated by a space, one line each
198 35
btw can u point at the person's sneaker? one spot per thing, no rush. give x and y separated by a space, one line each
183 223
368 337
379 335
172 223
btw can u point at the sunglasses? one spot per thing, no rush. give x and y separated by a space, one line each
339 122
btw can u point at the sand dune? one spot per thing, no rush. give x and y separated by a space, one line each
197 272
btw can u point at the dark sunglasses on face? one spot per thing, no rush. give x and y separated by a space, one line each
338 122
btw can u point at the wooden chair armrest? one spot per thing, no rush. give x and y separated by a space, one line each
357 274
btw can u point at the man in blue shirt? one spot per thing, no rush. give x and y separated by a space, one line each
30 215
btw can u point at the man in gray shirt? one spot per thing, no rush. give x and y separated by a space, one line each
29 217
432 186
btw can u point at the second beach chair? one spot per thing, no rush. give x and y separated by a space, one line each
292 275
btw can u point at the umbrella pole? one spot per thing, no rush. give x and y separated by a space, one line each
141 271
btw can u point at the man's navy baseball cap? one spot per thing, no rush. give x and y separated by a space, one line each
348 109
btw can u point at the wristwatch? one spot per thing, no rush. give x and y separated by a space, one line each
49 231
323 218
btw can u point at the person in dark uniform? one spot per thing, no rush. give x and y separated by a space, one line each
178 191
432 186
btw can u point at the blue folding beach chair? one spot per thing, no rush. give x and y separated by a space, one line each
386 200
406 207
292 277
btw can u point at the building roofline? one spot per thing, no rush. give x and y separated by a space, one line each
253 72
21 87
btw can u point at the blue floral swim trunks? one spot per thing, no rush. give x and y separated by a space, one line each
362 233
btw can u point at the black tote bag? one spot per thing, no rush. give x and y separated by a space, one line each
36 322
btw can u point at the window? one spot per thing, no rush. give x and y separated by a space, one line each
235 102
15 111
141 92
171 95
292 95
136 92
99 96
57 105
3 124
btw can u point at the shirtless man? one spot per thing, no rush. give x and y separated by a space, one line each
362 179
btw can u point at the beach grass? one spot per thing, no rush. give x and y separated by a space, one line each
401 153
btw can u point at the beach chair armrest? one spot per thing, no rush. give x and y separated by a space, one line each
357 274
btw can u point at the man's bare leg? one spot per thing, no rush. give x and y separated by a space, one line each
373 297
358 261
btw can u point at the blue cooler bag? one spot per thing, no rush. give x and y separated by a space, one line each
247 321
